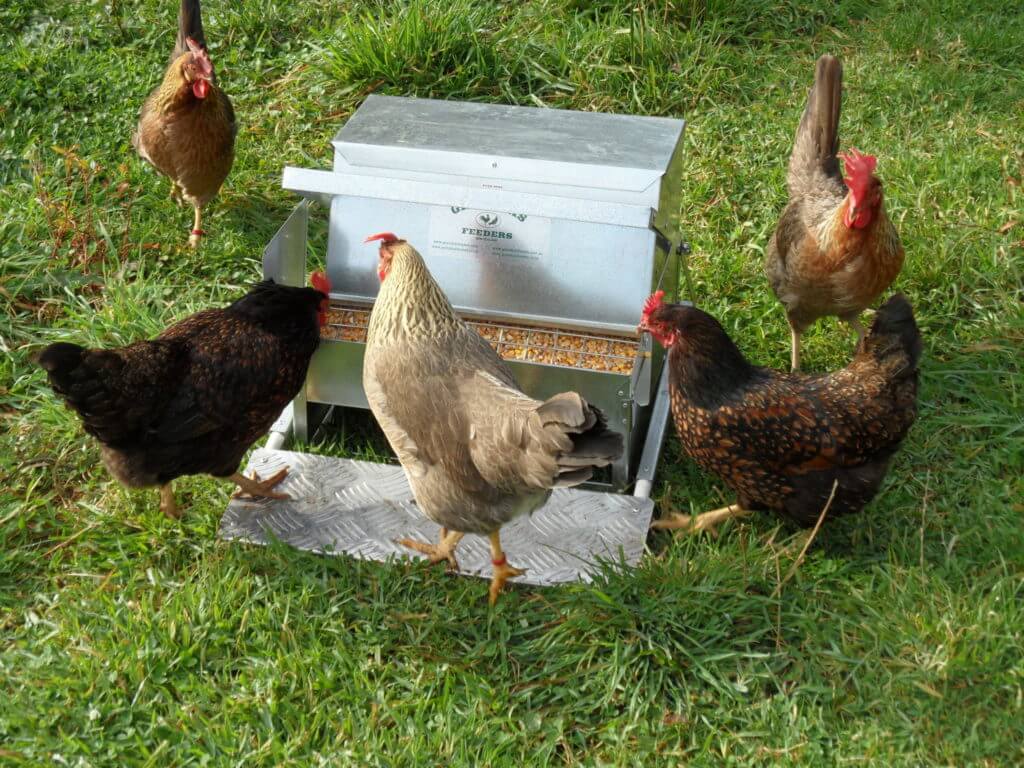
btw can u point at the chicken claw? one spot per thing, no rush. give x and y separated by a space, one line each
502 570
255 488
708 521
443 550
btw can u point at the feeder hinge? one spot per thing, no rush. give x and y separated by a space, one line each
676 245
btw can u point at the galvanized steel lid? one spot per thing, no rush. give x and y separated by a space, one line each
505 142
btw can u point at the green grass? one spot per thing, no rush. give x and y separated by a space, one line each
126 639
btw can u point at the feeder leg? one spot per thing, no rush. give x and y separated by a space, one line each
705 522
502 570
443 550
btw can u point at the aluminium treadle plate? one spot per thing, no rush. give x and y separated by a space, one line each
358 508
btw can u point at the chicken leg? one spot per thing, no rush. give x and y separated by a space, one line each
197 231
794 353
705 522
255 488
176 194
167 504
502 570
443 550
855 323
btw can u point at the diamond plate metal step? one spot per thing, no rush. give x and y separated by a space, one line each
358 508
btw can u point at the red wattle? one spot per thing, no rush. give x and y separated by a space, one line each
200 88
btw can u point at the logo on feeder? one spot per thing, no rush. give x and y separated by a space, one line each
489 220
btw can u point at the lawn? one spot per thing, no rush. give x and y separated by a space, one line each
128 639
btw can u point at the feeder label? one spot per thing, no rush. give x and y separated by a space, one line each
509 237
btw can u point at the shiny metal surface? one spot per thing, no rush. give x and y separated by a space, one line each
508 143
588 274
577 191
356 508
284 258
655 438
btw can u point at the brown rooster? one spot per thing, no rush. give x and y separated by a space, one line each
194 399
779 440
834 250
187 125
476 450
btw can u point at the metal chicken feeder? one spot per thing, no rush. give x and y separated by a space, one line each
547 229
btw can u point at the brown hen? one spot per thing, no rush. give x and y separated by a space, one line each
780 440
187 125
834 251
194 399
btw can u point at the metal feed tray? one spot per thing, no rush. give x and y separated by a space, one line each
359 508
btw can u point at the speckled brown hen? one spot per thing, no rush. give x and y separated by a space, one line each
187 125
476 450
780 440
834 250
194 399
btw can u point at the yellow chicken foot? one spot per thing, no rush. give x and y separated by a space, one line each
167 504
255 488
443 550
705 522
197 231
502 570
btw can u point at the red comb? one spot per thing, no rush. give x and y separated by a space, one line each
385 237
858 165
320 282
653 302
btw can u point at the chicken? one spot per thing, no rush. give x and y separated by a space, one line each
780 440
834 250
187 125
476 450
194 399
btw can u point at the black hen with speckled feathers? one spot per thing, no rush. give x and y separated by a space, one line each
781 441
194 399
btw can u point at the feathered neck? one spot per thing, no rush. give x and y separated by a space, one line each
410 303
175 91
706 365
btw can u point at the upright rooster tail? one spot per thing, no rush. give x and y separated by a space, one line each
894 332
817 136
593 444
190 24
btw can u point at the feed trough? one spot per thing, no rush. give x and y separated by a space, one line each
547 229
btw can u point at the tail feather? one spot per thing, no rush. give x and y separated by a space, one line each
894 331
593 444
817 137
115 392
190 24
82 377
61 362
